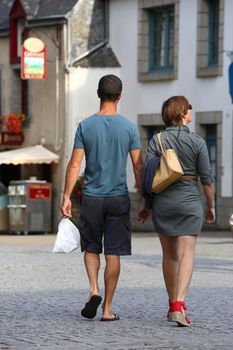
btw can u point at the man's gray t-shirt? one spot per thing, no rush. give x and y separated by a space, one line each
106 141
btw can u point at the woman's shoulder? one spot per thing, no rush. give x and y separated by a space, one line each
198 142
196 137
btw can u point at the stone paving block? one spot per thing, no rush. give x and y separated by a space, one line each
42 295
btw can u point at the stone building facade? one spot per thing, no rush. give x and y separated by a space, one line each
75 34
179 47
86 39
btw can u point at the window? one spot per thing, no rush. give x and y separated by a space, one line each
20 35
211 142
210 38
213 31
148 124
158 25
161 38
152 129
209 126
24 96
17 36
17 31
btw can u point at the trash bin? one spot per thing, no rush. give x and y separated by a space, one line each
29 206
4 221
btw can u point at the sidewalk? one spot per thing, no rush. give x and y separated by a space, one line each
42 295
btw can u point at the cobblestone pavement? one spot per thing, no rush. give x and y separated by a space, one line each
41 295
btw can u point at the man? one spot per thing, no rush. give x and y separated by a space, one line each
105 139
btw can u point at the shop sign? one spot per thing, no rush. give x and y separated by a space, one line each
33 59
11 138
39 191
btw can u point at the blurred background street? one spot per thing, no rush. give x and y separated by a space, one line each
42 294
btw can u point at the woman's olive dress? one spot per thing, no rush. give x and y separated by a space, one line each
178 211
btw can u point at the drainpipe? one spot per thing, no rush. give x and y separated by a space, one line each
57 142
68 129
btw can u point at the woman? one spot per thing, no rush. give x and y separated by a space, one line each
177 212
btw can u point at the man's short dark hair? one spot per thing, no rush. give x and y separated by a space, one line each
109 88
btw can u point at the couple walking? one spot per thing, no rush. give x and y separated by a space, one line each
105 139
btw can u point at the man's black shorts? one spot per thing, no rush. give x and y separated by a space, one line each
105 221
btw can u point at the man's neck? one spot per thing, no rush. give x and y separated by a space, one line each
108 108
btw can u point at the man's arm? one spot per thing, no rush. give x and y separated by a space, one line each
137 161
72 173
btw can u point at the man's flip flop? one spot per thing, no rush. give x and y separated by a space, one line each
115 318
90 309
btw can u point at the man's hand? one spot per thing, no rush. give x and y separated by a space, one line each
66 208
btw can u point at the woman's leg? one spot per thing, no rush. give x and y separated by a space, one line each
170 264
178 256
185 250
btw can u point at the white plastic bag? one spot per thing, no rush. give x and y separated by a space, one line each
68 237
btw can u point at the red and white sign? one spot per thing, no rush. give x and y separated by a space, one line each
39 191
33 59
11 138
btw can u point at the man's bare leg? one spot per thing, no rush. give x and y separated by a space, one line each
111 275
92 263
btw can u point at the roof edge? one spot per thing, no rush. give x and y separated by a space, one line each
38 22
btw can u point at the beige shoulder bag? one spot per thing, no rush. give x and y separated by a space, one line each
169 169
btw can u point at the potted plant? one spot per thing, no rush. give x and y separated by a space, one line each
12 122
78 186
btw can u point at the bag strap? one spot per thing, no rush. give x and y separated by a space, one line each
159 139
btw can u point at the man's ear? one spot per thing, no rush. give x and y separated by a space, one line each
98 93
118 97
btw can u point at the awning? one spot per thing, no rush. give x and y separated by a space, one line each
28 155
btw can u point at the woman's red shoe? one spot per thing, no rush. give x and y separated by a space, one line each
177 313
